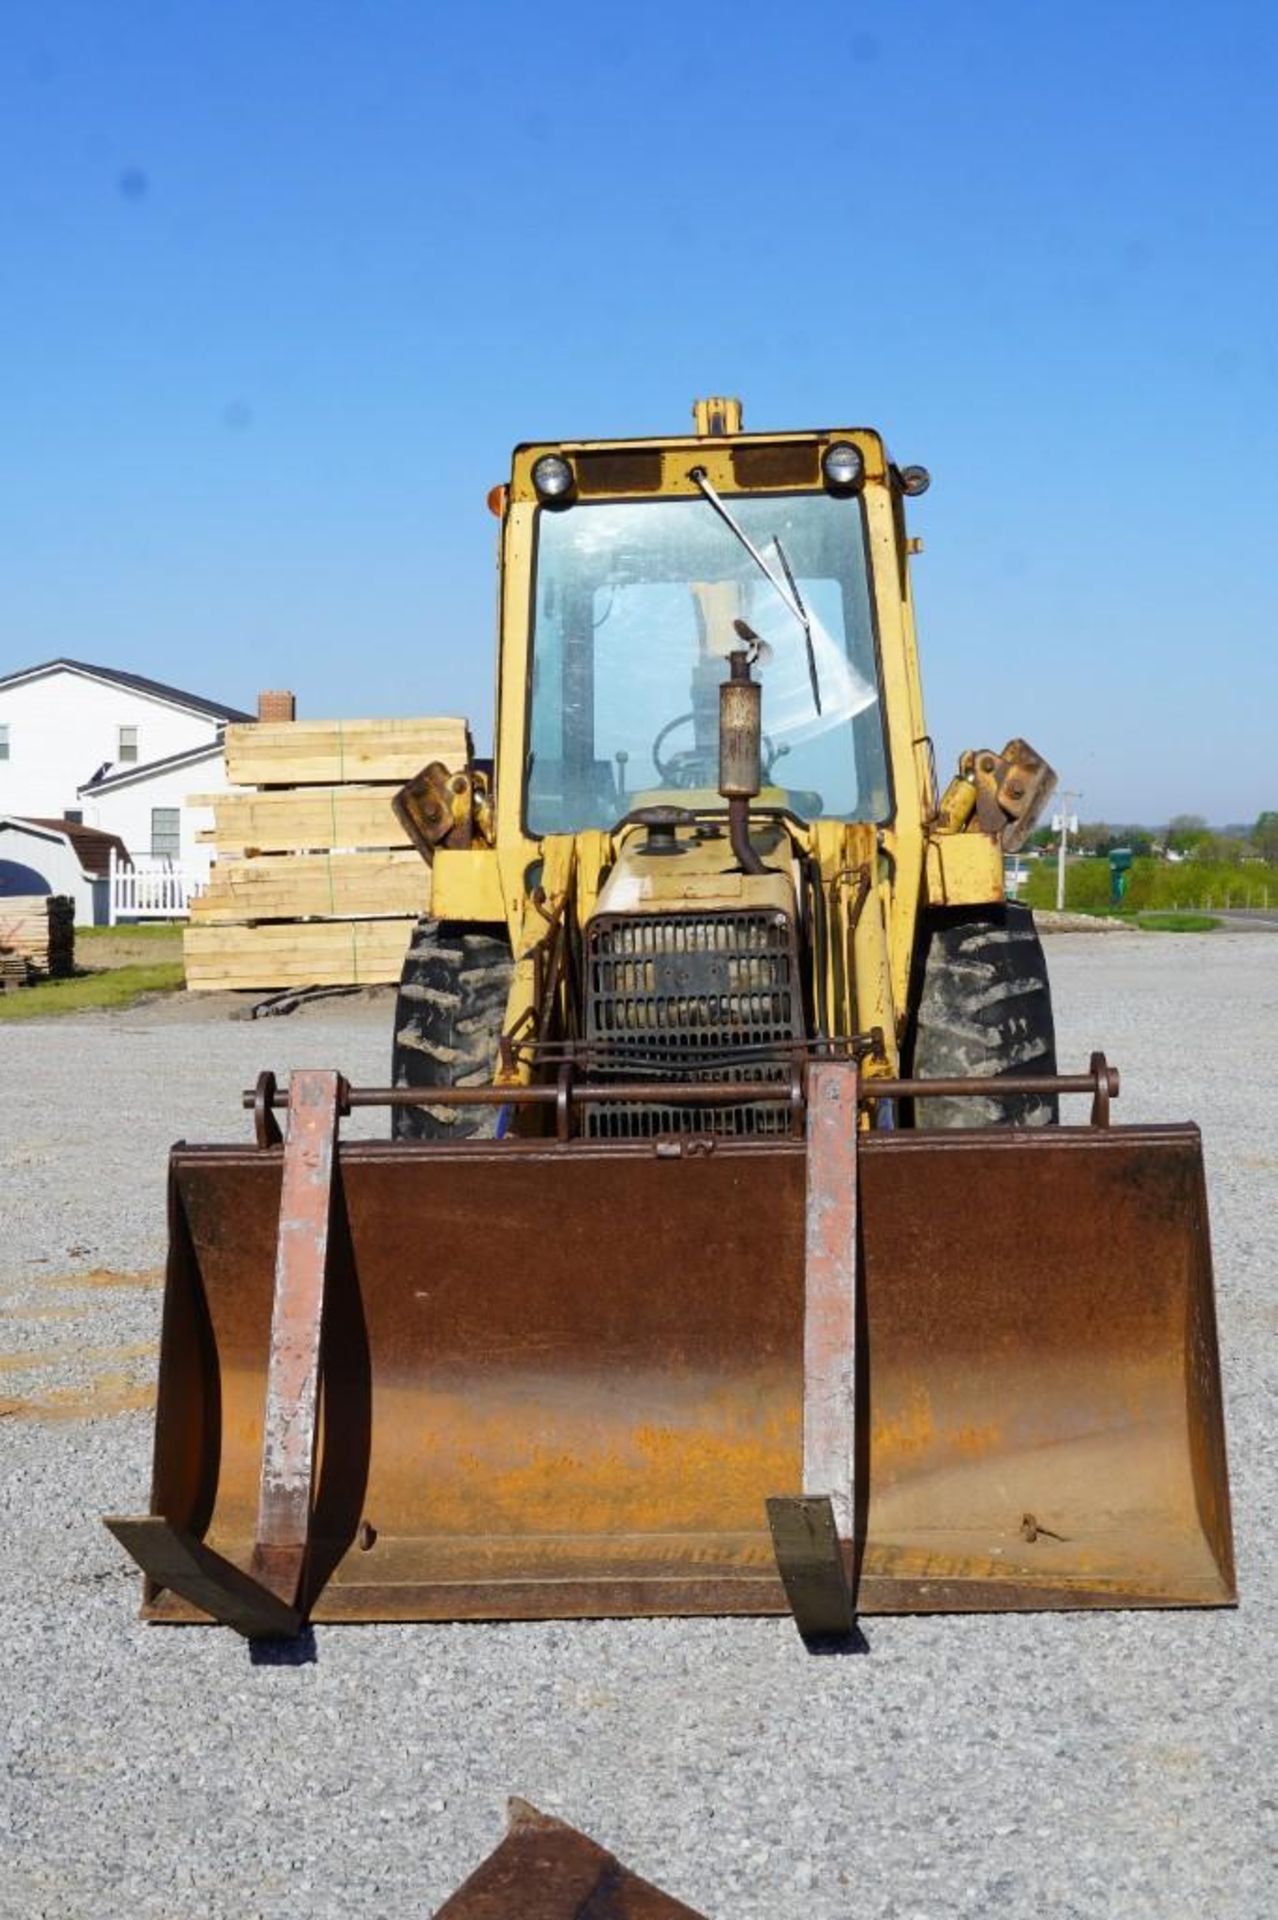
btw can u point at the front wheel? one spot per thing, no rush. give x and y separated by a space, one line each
448 1020
984 1010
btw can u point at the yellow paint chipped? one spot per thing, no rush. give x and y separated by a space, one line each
906 1433
976 1440
586 1467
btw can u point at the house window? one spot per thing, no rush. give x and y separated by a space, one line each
4 743
128 745
166 833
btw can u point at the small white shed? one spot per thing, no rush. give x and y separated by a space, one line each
58 856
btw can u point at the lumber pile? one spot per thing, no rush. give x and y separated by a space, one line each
296 753
40 930
314 881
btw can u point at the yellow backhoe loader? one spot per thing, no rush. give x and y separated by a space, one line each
729 1253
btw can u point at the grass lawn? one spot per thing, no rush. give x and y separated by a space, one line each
115 966
1174 920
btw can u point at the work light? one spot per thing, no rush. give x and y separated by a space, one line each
843 466
553 478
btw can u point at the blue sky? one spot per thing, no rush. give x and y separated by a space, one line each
283 283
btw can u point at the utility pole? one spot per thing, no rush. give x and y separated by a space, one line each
1064 822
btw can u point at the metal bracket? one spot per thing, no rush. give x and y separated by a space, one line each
812 1532
812 1568
171 1557
267 1600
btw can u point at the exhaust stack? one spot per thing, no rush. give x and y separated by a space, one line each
740 749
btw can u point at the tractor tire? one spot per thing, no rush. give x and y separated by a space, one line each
984 1009
448 1019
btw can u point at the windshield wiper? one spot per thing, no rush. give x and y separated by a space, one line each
788 589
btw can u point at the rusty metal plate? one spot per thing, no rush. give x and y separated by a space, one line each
562 1381
546 1870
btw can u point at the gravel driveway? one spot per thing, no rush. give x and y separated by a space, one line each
1087 1765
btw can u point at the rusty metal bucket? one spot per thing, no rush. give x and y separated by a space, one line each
562 1378
547 1870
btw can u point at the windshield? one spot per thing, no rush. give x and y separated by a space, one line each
633 625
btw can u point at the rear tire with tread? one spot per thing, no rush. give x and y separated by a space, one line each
448 1020
984 1010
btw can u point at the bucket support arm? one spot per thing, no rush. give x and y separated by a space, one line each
266 1601
812 1532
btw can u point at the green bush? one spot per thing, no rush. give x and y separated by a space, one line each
1155 884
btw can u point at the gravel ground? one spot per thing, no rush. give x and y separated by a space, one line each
1080 1765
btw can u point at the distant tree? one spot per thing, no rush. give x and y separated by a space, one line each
1094 837
1098 837
1184 831
1264 836
1221 847
1041 837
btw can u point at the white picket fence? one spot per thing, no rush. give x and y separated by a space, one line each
150 890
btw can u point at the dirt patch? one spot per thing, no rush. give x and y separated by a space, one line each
1049 921
202 1009
127 947
23 1362
40 1313
106 1277
110 1393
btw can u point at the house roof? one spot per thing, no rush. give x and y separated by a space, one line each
120 776
135 682
92 847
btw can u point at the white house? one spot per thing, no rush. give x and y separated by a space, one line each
66 726
147 806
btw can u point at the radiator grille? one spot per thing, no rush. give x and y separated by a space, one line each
690 997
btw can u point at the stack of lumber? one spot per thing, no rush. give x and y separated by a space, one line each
40 928
314 882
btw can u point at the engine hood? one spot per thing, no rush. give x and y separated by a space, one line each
702 877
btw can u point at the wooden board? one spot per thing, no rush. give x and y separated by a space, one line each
336 886
304 819
37 906
325 752
41 929
316 953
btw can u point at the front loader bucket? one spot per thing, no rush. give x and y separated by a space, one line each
562 1378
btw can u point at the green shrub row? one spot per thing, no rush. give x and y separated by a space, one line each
1155 884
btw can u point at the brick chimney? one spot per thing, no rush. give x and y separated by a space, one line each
276 706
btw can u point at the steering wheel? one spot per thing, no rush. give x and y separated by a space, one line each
687 767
